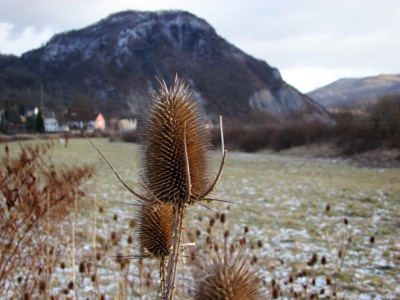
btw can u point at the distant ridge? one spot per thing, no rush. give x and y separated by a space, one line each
356 91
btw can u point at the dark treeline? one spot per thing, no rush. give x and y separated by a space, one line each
355 132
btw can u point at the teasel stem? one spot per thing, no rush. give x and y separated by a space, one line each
178 213
163 270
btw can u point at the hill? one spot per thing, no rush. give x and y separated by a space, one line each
353 92
111 65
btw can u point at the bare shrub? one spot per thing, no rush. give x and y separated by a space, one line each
35 197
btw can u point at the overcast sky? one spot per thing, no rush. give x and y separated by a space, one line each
311 42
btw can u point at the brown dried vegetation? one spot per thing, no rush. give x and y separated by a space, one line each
35 197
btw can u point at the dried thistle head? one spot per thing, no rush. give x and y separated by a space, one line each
173 118
154 225
227 276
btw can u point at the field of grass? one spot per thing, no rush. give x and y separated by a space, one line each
286 209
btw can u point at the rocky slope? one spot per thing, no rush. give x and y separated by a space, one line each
112 64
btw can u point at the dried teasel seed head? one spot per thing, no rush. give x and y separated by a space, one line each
98 256
313 260
346 221
115 217
246 229
229 276
275 292
154 222
259 243
94 277
42 286
27 296
372 239
223 218
328 281
132 223
101 209
130 240
212 222
323 260
327 207
71 285
226 234
82 267
173 117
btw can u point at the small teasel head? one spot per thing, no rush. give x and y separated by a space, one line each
154 229
229 276
175 140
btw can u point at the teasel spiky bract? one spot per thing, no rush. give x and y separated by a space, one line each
227 276
175 140
154 229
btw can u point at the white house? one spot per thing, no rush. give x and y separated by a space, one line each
51 125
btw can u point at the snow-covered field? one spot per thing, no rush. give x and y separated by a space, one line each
286 209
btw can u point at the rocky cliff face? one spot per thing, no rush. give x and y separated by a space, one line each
114 62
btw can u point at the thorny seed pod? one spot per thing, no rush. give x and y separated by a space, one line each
212 222
71 285
372 239
223 218
42 286
275 292
229 276
155 229
226 234
327 208
82 267
132 223
173 118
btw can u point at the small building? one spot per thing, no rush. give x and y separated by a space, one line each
51 125
127 125
100 122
